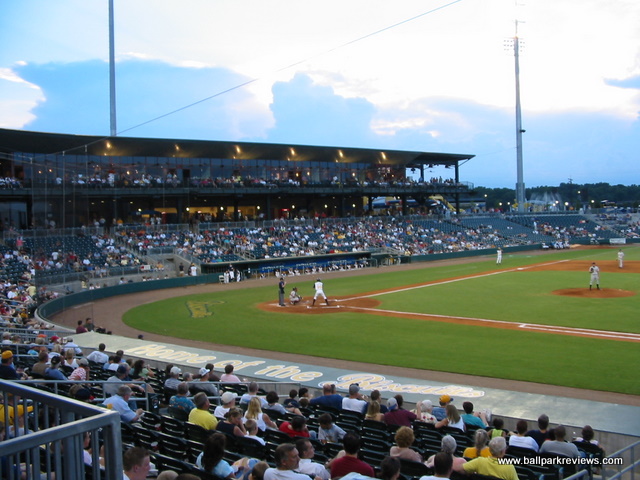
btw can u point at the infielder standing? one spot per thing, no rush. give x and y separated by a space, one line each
319 286
499 257
620 258
595 276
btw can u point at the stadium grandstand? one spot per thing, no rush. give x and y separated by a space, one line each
87 213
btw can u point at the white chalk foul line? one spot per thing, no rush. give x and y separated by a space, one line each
585 332
454 280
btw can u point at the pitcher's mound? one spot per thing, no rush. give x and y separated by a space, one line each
602 293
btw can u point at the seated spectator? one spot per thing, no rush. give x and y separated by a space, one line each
173 379
402 449
442 467
38 368
228 400
121 376
354 402
390 469
252 392
448 445
7 369
452 420
69 343
329 397
519 438
440 412
53 372
588 437
120 403
136 463
375 395
232 423
201 415
480 446
476 419
81 372
203 384
140 371
559 446
490 465
291 404
228 376
181 399
329 431
211 458
296 428
254 412
69 362
251 426
398 415
497 430
306 452
349 462
423 412
373 412
542 433
287 460
272 403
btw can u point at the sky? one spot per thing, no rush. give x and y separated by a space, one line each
427 75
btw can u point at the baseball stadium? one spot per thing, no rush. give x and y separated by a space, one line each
182 255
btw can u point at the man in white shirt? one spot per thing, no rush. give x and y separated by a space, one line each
287 460
306 465
354 401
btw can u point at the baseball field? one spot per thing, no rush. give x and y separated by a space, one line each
532 318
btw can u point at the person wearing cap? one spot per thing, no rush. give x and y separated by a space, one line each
281 285
490 466
354 401
53 372
440 412
81 373
201 415
7 369
203 384
70 344
228 400
181 399
423 412
319 288
173 381
398 415
120 403
121 376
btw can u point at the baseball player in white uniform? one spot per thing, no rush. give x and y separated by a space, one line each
319 287
620 258
595 276
499 257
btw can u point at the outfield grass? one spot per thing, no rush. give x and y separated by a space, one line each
518 296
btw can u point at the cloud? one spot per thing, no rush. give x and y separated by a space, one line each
77 100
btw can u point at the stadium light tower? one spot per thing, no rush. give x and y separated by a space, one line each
520 196
112 74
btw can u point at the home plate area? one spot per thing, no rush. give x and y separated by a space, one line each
336 305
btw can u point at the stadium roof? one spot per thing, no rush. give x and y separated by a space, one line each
14 141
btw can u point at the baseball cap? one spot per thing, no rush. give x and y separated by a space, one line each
228 397
175 371
83 362
445 399
353 389
392 403
55 338
122 369
203 371
7 354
